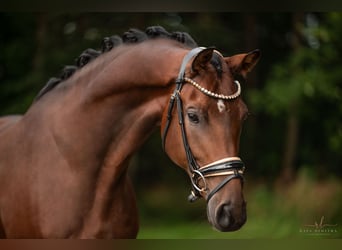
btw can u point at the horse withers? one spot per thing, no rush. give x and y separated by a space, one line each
63 164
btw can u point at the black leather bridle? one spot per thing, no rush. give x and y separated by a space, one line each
231 167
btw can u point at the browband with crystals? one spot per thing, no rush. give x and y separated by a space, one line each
215 95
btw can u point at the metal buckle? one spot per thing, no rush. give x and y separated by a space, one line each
193 178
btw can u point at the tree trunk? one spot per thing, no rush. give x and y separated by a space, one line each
290 147
287 174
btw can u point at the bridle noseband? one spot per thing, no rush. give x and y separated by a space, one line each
231 167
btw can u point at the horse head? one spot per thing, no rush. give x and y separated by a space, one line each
201 131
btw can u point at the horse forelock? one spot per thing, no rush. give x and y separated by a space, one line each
132 36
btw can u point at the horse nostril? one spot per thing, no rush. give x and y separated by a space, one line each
224 218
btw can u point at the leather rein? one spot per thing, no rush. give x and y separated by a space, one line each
232 167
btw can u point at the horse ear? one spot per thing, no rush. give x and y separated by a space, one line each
242 64
201 60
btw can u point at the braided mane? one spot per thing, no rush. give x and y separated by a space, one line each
108 43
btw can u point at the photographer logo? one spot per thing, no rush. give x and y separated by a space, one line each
320 228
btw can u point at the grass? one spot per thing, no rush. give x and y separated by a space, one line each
272 214
274 228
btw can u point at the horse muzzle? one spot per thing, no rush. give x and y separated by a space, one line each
227 217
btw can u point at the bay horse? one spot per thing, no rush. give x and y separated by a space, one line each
63 164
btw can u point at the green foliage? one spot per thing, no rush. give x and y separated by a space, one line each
307 84
295 80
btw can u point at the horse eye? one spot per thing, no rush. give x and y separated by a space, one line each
193 118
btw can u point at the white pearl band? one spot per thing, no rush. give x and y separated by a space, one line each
215 95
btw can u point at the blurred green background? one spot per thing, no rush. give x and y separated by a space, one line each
291 144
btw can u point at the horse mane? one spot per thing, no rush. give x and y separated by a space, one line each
108 43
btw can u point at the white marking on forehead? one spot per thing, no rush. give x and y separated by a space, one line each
220 105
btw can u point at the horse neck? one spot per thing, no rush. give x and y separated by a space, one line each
97 119
113 113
